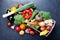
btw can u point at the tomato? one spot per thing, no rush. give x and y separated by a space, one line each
29 29
17 28
32 32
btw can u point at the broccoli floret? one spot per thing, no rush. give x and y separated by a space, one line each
18 19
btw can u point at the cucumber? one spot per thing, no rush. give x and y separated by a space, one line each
34 14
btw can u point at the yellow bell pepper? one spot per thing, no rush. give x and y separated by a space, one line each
13 8
43 33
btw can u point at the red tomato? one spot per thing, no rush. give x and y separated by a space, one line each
32 32
29 29
17 28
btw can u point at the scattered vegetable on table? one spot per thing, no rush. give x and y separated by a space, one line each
26 19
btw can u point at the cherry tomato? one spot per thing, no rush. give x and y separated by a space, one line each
32 32
17 28
29 29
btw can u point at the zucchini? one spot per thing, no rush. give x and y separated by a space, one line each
34 14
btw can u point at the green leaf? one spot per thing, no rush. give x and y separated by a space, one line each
18 19
45 15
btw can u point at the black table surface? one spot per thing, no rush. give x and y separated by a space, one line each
52 6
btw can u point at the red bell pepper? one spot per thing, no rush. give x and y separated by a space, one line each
27 13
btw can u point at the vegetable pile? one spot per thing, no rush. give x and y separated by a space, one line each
26 19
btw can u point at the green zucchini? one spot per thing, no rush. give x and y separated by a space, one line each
34 14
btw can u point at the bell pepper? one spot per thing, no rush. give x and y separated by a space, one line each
27 13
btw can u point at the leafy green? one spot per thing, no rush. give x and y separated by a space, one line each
45 15
18 19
